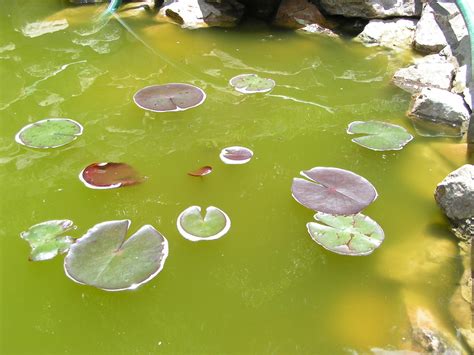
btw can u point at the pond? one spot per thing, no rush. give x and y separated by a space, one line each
264 288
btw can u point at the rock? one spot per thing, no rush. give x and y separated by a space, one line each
429 37
194 14
83 2
397 33
372 8
455 194
431 71
437 112
317 29
298 14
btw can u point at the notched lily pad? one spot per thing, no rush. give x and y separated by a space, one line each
354 235
103 258
192 226
169 97
251 84
46 239
379 136
49 133
202 171
236 155
109 175
332 190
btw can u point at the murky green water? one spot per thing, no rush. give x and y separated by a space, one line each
266 287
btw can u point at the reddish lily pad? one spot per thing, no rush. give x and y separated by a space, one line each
236 155
169 97
109 175
202 171
192 226
334 191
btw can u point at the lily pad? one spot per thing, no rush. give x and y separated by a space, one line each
169 97
104 259
251 84
192 226
202 171
332 190
47 240
109 175
236 155
49 133
354 235
379 136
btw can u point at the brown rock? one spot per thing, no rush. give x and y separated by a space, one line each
298 14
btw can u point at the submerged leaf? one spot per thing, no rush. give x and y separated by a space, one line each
49 133
379 135
236 155
109 175
354 235
251 84
332 190
46 239
192 226
169 97
205 170
104 259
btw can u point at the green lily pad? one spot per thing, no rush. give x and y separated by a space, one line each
47 240
354 235
379 136
49 133
192 226
251 84
104 259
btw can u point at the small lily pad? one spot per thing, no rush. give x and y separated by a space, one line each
251 84
192 226
169 97
109 175
47 240
49 133
332 190
236 155
202 171
354 235
103 258
379 136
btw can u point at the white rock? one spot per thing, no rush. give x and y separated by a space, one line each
429 37
372 8
396 33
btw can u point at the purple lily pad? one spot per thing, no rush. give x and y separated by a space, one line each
202 171
236 155
334 191
169 97
109 175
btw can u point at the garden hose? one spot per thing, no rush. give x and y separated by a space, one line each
113 6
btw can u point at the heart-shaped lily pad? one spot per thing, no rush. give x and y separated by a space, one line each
109 175
169 97
379 135
236 155
47 240
354 235
192 226
202 171
332 190
49 133
104 259
251 84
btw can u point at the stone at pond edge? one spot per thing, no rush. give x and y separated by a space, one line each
296 14
455 194
395 34
372 8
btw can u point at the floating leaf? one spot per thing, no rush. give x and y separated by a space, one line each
46 239
251 84
109 175
236 155
104 259
169 97
192 226
205 170
354 235
379 135
333 190
49 133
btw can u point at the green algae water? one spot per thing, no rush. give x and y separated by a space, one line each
265 287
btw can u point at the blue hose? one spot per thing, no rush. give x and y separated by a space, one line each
113 6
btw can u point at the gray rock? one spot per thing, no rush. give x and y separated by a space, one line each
455 194
431 71
317 29
396 33
372 8
437 112
429 37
